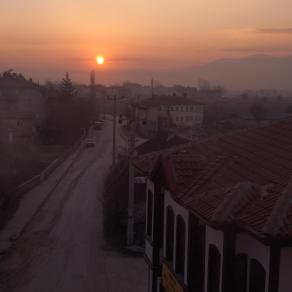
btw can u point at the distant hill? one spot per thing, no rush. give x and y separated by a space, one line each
253 72
256 71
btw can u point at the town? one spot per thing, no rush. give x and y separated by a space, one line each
145 147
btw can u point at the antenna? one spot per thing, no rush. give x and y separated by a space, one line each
152 87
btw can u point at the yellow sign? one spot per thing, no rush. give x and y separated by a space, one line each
169 281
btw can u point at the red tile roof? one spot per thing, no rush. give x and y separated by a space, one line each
159 142
241 178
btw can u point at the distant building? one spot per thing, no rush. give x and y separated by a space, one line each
164 112
23 96
17 128
219 213
23 108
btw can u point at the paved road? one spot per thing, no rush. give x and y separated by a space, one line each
63 248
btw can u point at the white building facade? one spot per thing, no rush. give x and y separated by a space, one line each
165 112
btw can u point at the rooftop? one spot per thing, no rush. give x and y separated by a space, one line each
13 80
159 142
241 178
171 100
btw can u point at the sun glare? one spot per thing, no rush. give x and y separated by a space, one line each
100 60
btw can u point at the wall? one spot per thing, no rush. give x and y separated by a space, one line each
33 101
216 238
19 130
149 187
183 116
285 277
178 210
24 100
254 250
150 279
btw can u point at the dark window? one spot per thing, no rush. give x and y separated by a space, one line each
169 233
149 213
241 272
180 245
213 269
257 277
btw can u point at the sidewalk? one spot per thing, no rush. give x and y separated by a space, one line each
31 202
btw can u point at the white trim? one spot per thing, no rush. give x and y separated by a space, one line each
285 279
178 210
149 187
254 250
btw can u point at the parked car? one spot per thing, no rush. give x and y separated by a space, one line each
98 125
90 143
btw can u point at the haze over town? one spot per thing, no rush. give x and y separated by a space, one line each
145 146
140 40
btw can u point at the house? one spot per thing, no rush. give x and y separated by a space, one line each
219 213
17 128
164 112
18 94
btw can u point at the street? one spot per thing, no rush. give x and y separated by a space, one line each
63 248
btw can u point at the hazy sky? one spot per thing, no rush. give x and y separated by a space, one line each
46 38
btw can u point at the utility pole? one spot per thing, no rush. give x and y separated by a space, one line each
114 130
93 94
131 202
152 87
114 99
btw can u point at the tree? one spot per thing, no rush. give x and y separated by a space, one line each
258 112
66 87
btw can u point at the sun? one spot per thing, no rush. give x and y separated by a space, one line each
100 60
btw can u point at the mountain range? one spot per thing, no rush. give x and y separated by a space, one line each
252 72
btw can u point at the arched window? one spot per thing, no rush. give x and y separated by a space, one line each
169 233
257 277
149 213
240 272
180 245
214 262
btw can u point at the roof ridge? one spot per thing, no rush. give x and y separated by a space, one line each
279 213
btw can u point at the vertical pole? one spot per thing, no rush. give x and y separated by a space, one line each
130 227
93 94
114 130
